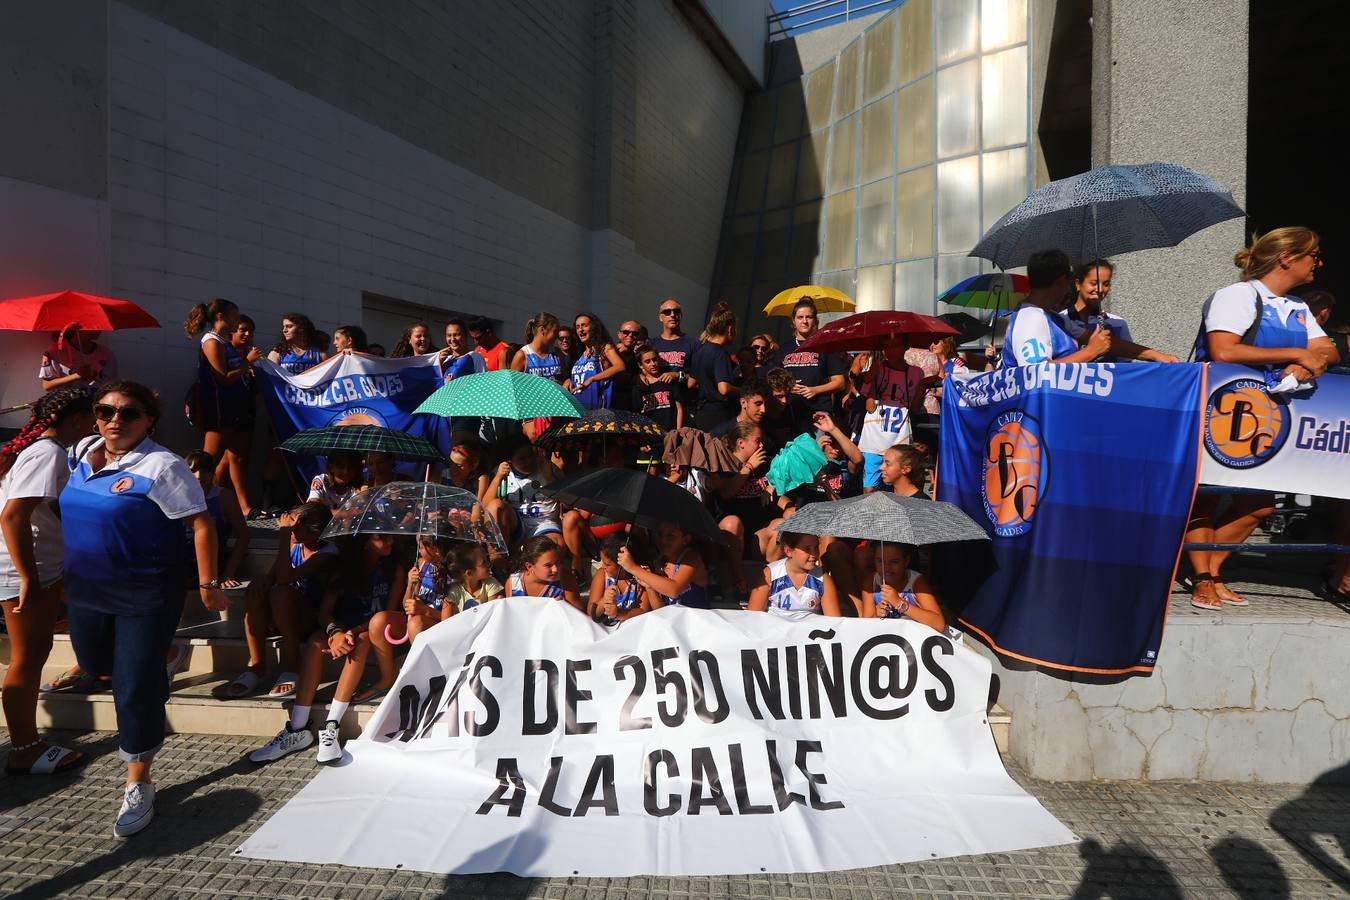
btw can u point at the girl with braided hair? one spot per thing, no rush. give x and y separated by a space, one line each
33 471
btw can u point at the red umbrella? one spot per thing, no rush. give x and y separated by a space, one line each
871 330
57 312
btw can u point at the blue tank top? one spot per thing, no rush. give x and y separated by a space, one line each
515 587
694 595
597 394
625 599
546 366
907 598
357 603
295 363
785 597
206 375
310 587
427 594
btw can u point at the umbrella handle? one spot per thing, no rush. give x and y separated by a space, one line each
395 640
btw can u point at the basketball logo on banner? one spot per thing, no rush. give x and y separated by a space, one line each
1244 425
1016 469
360 415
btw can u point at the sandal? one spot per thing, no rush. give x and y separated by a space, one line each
1203 595
257 514
1228 595
245 685
73 681
178 660
370 695
53 761
284 687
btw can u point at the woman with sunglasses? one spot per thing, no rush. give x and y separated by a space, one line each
762 348
594 369
123 513
1257 323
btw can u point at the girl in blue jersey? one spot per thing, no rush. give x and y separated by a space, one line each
298 349
680 576
796 584
426 599
368 580
897 591
1256 323
538 357
593 371
542 574
615 595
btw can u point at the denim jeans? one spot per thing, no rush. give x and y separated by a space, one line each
132 650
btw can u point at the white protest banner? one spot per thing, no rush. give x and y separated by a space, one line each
522 737
1298 444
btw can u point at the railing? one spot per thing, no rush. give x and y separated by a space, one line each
797 19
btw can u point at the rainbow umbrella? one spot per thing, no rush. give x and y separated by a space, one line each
995 290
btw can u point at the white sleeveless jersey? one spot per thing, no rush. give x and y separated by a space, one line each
783 597
537 512
889 424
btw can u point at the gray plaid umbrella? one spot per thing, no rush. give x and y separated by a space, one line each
881 516
1109 210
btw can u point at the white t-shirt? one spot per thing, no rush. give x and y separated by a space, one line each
41 470
1233 309
68 358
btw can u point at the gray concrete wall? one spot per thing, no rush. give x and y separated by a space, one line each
745 26
1255 697
1170 85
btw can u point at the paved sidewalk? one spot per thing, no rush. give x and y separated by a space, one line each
1144 840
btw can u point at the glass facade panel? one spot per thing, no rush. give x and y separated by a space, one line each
750 196
782 176
791 113
1004 97
814 153
1005 182
958 29
878 139
773 244
844 155
914 213
952 270
879 58
916 39
958 106
838 231
914 140
914 286
820 96
874 288
804 250
958 205
739 258
846 81
876 222
1002 22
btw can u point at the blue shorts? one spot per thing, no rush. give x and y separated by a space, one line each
872 470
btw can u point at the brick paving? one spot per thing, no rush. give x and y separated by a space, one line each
1141 840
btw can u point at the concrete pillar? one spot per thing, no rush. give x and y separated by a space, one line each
1169 84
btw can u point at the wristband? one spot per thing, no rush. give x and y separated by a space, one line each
213 584
332 629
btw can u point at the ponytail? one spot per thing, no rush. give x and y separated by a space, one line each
201 317
720 322
540 322
53 407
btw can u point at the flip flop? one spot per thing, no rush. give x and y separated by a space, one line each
370 695
72 681
278 693
53 762
245 685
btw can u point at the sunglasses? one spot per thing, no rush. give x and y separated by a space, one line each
672 312
629 331
760 348
106 412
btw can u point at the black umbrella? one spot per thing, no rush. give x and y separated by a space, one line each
636 497
605 426
967 326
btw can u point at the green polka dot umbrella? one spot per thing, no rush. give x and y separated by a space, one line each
502 395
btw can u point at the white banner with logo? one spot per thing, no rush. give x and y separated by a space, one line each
522 737
1297 444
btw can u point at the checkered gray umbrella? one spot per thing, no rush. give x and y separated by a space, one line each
362 438
881 516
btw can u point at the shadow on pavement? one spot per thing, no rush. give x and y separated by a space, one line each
1126 870
522 850
1249 869
180 824
1322 809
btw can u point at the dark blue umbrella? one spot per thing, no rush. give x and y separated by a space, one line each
1109 210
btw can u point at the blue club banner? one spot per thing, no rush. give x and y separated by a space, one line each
1295 443
1083 475
353 389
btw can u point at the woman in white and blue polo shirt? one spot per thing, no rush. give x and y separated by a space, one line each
123 512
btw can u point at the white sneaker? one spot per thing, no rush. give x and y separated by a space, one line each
330 748
285 743
138 808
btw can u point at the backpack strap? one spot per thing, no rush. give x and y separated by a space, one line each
1248 336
